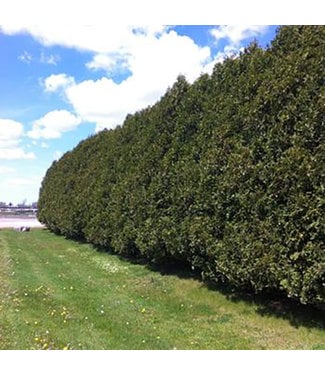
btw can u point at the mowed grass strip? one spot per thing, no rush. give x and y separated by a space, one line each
60 294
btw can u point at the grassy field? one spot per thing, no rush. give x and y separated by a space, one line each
60 294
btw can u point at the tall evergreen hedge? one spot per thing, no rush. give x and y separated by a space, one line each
226 174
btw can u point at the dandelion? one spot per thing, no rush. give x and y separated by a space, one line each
65 348
36 322
131 301
71 287
143 310
158 337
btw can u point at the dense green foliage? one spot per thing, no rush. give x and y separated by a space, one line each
226 174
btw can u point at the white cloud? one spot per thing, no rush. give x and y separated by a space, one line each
162 58
153 58
6 170
110 62
57 82
10 137
10 130
20 186
21 181
57 154
98 37
49 59
53 124
237 33
15 154
17 14
43 58
44 145
96 101
26 57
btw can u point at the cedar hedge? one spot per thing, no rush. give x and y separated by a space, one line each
226 174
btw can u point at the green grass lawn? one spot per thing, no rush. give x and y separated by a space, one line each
60 294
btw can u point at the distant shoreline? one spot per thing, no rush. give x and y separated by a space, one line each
16 221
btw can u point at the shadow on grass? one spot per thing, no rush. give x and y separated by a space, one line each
267 303
275 304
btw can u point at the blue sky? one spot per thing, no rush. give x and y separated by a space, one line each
70 69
